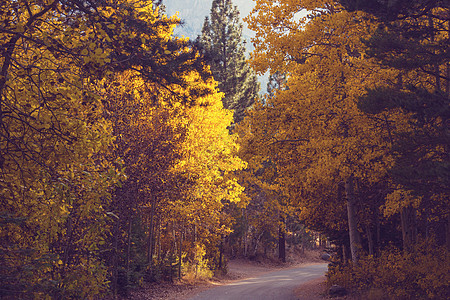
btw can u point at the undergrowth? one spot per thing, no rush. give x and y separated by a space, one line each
422 273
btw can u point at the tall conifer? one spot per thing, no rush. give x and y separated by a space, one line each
413 38
224 50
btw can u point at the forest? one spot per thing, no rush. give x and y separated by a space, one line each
131 155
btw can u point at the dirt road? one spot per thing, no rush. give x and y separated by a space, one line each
278 285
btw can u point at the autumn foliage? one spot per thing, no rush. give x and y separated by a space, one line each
354 136
116 160
118 164
393 274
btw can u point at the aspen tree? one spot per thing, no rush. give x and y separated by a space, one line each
320 137
56 163
413 38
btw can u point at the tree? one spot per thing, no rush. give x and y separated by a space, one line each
317 137
54 143
209 158
413 38
179 163
340 165
57 166
147 139
224 51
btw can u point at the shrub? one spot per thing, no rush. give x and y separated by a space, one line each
198 269
421 273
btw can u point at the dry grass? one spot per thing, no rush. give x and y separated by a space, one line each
317 289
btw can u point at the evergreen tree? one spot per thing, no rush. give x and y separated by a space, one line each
224 50
413 38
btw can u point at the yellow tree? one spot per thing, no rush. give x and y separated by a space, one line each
266 211
55 178
413 38
56 171
318 139
179 160
153 123
147 136
209 160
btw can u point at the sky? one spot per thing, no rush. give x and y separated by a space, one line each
193 13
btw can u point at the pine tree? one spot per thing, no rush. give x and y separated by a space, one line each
224 50
413 38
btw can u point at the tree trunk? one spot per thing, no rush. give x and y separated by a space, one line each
245 232
369 239
159 240
195 234
378 240
258 239
173 253
409 227
129 245
180 254
150 232
355 244
221 253
281 242
115 258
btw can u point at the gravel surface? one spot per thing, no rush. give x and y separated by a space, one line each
238 269
268 286
312 290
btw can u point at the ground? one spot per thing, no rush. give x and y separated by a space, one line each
238 269
317 290
312 290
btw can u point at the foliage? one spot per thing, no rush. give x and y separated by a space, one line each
55 177
117 164
413 39
317 138
68 136
224 51
198 268
147 137
209 160
418 274
180 161
313 131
